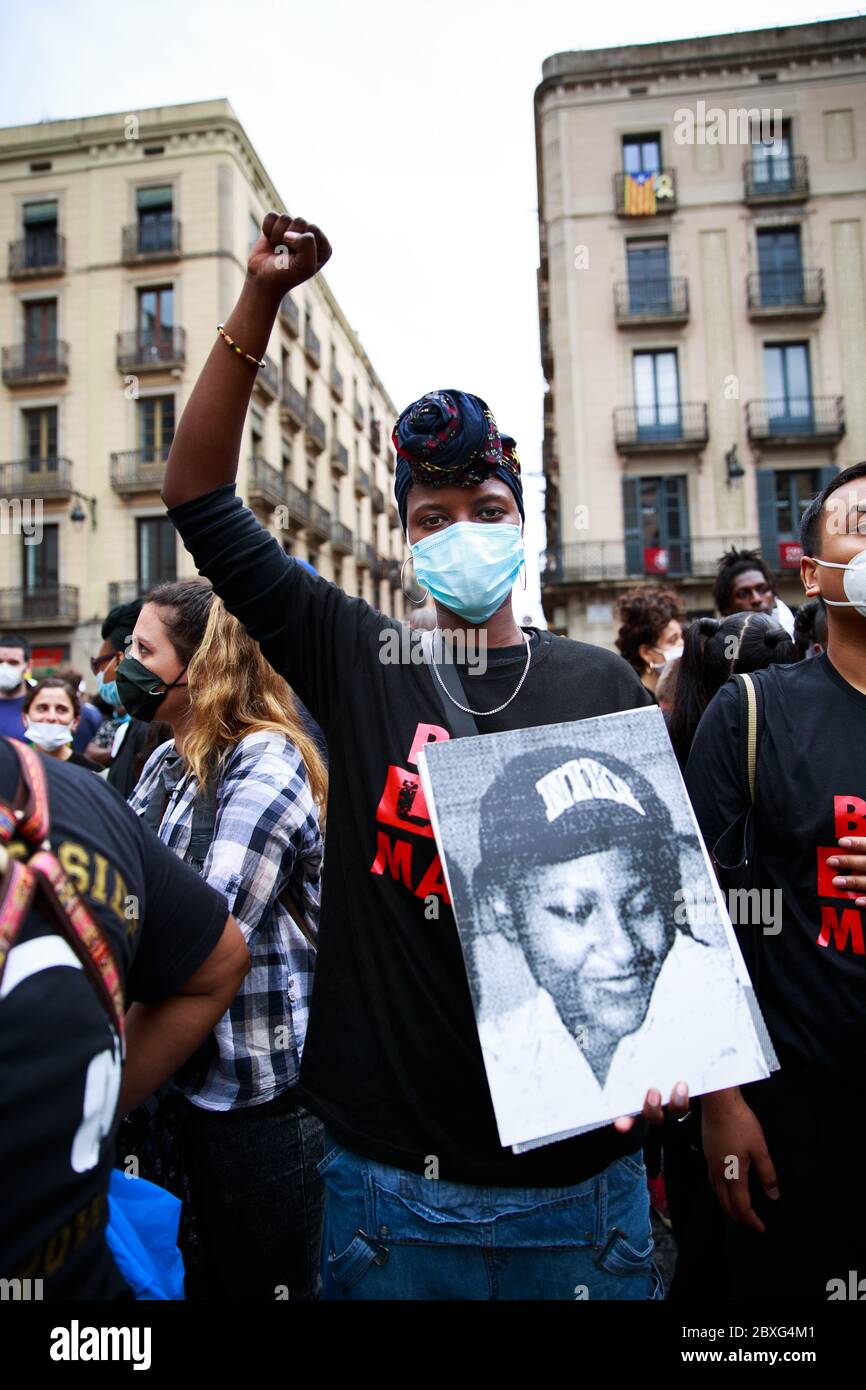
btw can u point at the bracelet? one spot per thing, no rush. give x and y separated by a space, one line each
230 342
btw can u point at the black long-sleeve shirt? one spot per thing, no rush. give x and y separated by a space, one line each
392 1062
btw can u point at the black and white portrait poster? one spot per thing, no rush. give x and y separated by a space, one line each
600 955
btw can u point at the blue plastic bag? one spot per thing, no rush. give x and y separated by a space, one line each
142 1227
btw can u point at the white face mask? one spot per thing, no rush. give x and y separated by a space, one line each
10 676
854 582
670 654
49 737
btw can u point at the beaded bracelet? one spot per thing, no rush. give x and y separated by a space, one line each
230 342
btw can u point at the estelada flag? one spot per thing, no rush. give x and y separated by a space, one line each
640 195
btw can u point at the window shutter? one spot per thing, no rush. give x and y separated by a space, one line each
767 515
631 526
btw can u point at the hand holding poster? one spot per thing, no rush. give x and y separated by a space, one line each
574 865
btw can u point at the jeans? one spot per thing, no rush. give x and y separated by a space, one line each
257 1199
391 1234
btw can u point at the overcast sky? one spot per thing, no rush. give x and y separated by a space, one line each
403 127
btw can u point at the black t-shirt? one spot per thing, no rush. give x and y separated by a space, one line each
392 1061
59 1062
810 977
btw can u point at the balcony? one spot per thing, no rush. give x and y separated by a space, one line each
391 572
645 195
138 470
375 435
775 180
651 301
314 431
290 316
358 414
151 350
53 606
296 505
377 497
267 381
546 349
796 421
365 555
339 457
587 562
48 478
33 256
793 293
293 407
312 346
124 591
265 484
336 384
362 483
36 365
341 538
661 429
151 240
319 521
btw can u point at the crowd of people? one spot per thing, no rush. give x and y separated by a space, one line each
255 1007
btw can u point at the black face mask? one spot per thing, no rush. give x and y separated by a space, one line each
142 691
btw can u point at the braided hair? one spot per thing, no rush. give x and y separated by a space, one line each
714 650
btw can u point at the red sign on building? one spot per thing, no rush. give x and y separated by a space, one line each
655 559
790 555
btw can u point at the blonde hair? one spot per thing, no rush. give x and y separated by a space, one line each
234 691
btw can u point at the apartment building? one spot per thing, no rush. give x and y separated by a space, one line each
702 302
128 237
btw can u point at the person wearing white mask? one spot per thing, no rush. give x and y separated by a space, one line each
651 632
14 656
51 712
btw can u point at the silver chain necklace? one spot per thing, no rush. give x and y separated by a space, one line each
485 712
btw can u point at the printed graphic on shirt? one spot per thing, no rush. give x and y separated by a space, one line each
402 813
841 928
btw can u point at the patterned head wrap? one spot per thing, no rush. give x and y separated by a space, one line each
450 439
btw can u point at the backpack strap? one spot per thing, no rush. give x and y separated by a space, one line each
459 721
43 877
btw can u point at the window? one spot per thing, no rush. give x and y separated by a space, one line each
40 334
641 154
780 266
657 395
155 427
773 164
156 551
649 284
795 489
286 455
40 439
788 384
656 515
335 501
254 232
40 234
155 211
40 568
155 317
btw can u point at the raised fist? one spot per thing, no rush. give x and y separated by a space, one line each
289 251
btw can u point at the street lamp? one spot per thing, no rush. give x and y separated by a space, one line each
78 516
735 469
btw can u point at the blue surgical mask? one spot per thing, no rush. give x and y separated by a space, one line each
470 566
107 691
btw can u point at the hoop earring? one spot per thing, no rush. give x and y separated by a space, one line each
417 601
523 567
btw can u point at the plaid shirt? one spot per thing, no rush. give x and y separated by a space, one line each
266 838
